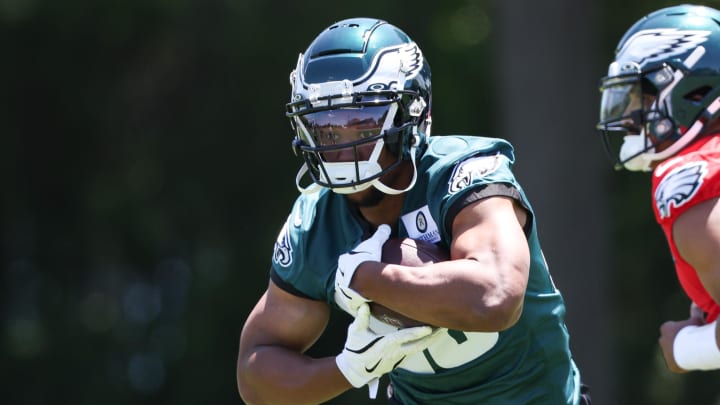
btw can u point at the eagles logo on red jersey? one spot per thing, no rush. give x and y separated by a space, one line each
679 186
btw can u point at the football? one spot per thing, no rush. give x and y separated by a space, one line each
406 252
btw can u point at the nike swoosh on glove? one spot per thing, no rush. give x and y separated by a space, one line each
370 250
367 355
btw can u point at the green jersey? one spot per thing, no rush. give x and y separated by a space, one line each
530 363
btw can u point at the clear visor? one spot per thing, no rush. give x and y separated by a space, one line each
624 106
346 134
343 126
619 102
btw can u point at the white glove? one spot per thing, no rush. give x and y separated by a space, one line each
367 356
370 250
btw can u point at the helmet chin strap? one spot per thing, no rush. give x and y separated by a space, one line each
633 153
382 187
314 187
688 136
311 188
389 190
340 171
642 161
640 155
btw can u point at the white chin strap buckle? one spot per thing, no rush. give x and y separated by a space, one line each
633 153
345 172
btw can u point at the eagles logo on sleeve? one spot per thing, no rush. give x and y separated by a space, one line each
472 169
283 248
679 187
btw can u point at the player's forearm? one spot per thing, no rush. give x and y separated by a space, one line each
458 294
273 375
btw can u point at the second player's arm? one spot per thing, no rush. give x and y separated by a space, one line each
696 234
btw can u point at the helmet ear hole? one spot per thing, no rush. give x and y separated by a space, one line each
698 94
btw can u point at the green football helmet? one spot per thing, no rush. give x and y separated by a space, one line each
662 90
360 87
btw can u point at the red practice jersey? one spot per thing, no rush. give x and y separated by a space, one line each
679 183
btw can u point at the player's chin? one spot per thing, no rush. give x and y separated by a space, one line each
369 197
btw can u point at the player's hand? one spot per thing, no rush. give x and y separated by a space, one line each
367 356
668 331
369 250
697 313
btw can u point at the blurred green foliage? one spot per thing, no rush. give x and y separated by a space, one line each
146 169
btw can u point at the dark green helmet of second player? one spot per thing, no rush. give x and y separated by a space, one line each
663 88
362 84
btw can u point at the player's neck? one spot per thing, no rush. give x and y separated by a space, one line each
389 208
386 211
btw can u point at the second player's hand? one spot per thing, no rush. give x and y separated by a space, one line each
696 313
668 331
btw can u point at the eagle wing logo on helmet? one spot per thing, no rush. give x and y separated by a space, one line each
663 43
394 65
679 187
411 60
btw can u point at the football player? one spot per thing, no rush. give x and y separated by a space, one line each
360 111
659 113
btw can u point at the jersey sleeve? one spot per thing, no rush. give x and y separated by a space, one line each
484 191
291 269
469 178
688 179
317 231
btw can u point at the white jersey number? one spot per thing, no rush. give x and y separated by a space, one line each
452 349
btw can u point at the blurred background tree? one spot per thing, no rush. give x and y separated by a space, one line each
146 170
